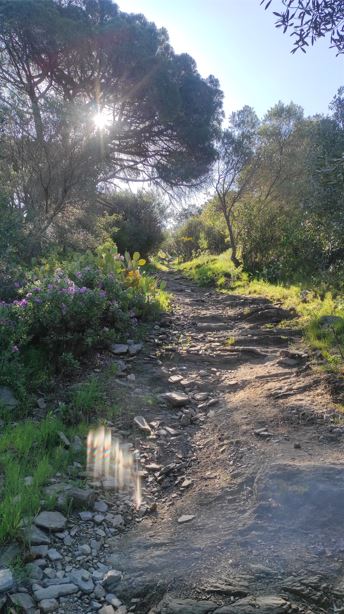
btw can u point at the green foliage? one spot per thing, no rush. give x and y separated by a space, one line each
86 402
199 233
209 270
31 449
309 21
55 158
64 310
134 221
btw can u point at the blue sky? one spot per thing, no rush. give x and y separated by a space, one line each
236 41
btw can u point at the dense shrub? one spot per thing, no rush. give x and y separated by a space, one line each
196 236
135 221
64 311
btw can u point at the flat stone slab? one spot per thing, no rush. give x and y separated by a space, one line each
55 591
176 399
119 348
23 601
308 498
186 518
51 521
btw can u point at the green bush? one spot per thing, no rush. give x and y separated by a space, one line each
61 312
134 222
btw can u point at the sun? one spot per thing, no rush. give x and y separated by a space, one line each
102 119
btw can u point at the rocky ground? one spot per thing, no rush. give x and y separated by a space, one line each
241 450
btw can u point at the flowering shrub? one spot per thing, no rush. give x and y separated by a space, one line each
66 310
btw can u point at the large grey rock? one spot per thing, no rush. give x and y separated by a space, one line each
270 314
176 399
119 348
107 609
54 591
36 537
23 601
135 348
169 605
81 497
101 506
34 572
117 521
309 498
83 580
52 521
48 605
111 580
6 580
7 397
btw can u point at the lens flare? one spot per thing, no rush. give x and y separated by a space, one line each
110 459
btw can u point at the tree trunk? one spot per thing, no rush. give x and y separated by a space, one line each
36 116
234 257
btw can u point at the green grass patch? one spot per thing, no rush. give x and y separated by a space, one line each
30 450
208 270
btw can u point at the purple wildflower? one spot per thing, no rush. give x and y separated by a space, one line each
22 303
15 348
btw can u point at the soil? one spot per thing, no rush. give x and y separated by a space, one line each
254 463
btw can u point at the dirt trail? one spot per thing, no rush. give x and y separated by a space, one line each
254 456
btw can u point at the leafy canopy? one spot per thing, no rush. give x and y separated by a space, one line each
309 20
164 116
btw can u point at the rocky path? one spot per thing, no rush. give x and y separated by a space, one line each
241 451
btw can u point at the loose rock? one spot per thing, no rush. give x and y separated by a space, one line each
176 399
111 580
186 518
119 348
7 397
52 521
22 601
6 580
48 605
54 591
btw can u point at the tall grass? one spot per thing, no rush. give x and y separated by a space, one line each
31 450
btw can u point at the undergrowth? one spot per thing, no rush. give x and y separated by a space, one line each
30 454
